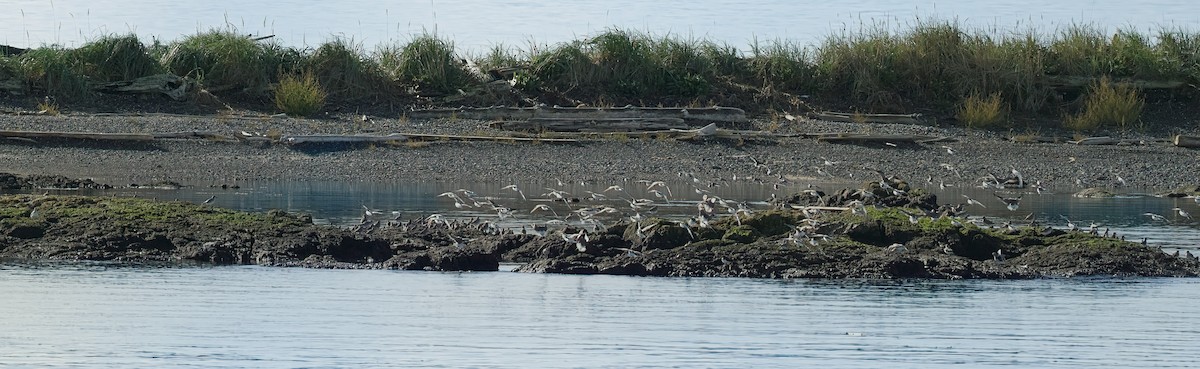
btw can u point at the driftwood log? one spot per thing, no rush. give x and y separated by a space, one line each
78 135
867 118
1191 142
871 138
713 114
173 86
592 125
400 137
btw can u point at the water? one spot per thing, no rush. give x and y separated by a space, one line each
476 25
89 315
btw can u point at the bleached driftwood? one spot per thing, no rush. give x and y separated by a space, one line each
592 125
1191 142
869 138
175 87
1104 140
711 114
867 118
79 135
399 137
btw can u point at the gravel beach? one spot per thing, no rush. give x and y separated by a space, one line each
1154 165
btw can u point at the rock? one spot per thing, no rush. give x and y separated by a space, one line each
1093 192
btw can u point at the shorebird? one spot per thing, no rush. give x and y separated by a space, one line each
1012 203
659 184
971 201
1070 225
1182 213
514 188
1155 217
367 212
998 256
543 207
948 150
898 248
214 197
1020 179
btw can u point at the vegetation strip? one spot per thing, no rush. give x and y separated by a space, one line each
1081 76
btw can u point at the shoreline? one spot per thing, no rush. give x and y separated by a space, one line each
1060 167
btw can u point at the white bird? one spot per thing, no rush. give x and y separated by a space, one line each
1020 179
543 207
1156 217
897 248
948 150
514 188
1182 213
1070 225
214 197
971 201
1012 203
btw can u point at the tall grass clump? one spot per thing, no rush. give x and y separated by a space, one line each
1107 104
116 58
299 96
977 111
11 78
345 72
861 67
54 71
627 65
429 63
1181 51
1012 66
1081 50
499 56
781 65
225 60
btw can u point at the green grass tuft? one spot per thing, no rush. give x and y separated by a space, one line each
116 58
55 71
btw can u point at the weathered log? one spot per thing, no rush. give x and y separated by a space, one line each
1104 140
867 118
310 139
592 125
863 138
1060 82
712 114
1191 142
79 135
175 87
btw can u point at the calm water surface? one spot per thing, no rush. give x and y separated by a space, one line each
478 24
72 315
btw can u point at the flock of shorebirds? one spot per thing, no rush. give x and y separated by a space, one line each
559 211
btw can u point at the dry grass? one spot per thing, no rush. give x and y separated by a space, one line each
982 112
1107 104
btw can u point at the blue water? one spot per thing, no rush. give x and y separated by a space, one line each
476 25
89 316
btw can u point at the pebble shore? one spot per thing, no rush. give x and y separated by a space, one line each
1059 166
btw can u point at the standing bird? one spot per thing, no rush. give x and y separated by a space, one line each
1182 213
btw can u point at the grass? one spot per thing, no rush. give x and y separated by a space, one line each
345 72
224 60
300 96
428 63
982 112
937 67
1107 104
